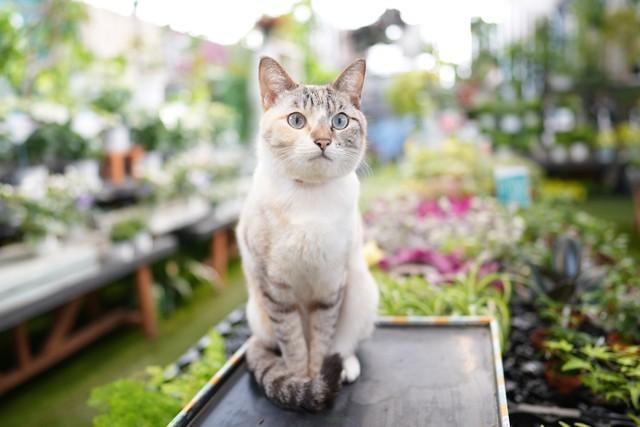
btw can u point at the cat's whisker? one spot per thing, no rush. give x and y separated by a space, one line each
364 169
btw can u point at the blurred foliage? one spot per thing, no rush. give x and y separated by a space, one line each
126 230
51 214
129 403
11 46
231 89
492 115
462 165
610 372
185 386
459 167
409 93
584 134
153 399
112 100
43 48
484 61
151 134
54 143
175 280
469 295
563 190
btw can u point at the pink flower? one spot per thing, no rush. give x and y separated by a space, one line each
446 266
458 207
429 208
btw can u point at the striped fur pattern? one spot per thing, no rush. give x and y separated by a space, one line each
311 296
289 391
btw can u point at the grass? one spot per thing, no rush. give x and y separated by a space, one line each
58 398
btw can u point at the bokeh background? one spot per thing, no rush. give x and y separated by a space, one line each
128 127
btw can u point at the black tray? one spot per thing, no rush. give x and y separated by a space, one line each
420 371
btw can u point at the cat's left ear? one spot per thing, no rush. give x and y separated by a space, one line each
351 80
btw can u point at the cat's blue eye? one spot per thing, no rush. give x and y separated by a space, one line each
296 120
339 121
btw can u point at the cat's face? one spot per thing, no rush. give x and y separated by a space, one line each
312 133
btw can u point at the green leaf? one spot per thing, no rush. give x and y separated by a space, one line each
576 364
559 345
634 392
597 352
128 403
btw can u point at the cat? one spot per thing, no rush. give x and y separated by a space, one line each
312 298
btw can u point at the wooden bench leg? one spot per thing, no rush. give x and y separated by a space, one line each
21 345
220 253
144 287
62 342
65 319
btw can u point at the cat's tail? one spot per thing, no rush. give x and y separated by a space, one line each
288 390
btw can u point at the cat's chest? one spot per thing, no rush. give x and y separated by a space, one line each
313 250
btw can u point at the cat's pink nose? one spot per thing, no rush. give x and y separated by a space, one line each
322 143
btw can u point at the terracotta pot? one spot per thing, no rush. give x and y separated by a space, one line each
565 384
615 339
602 259
136 154
538 337
576 319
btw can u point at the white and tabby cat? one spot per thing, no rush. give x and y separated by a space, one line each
312 298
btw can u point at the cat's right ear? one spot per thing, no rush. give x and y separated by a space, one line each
274 80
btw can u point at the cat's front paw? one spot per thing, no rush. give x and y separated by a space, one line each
315 365
350 369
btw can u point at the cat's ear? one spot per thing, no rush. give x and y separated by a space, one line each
273 81
351 80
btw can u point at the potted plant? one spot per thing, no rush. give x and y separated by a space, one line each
610 373
559 284
130 236
56 145
48 216
555 371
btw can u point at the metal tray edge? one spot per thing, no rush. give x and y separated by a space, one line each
198 401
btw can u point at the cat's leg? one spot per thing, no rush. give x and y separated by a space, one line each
286 322
357 317
259 322
323 315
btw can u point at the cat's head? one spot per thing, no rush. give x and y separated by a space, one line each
312 133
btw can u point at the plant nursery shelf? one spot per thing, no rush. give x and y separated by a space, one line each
67 297
415 371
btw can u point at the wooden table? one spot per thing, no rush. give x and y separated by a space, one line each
63 338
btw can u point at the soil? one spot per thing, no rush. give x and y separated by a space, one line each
532 401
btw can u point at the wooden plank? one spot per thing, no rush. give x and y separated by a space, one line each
220 253
92 305
68 346
64 321
21 345
146 302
